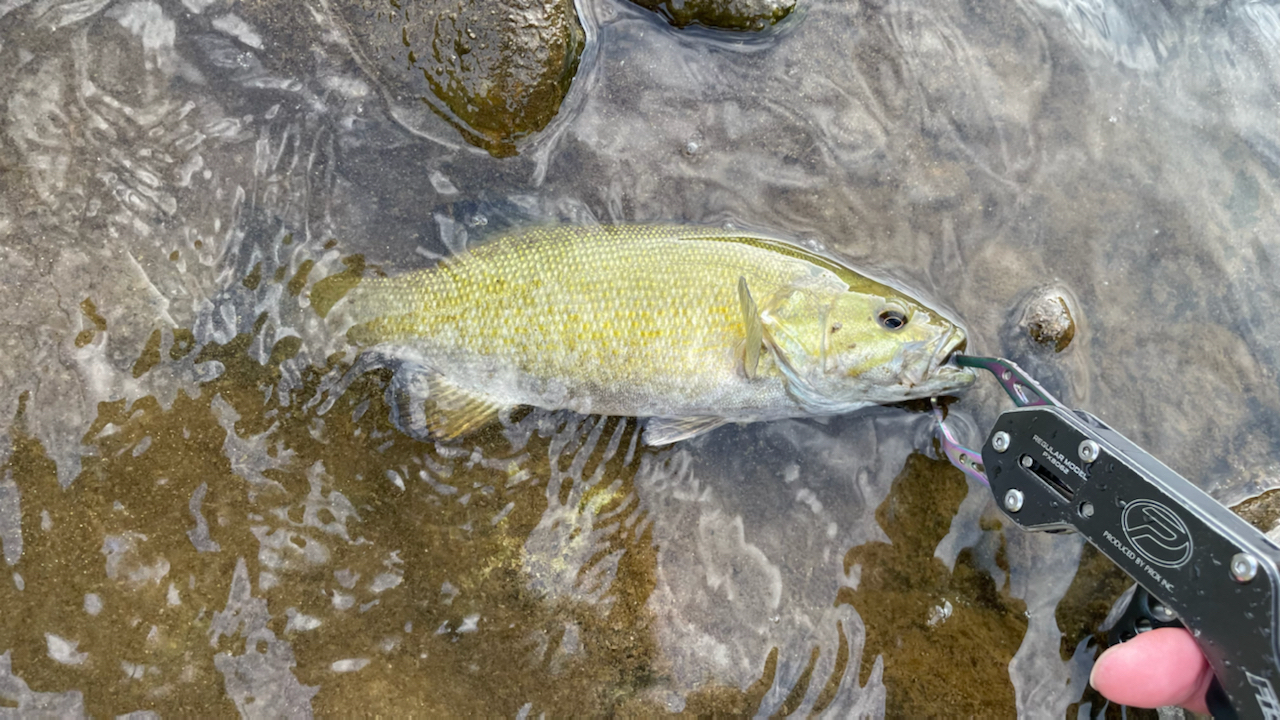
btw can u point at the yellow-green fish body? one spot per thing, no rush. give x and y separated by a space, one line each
692 327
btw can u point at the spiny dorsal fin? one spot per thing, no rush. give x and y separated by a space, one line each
755 331
453 412
664 431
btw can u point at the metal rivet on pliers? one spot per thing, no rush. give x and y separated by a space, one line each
1244 567
1013 500
1000 441
1089 451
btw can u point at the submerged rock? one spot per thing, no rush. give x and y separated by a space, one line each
723 14
1048 319
495 69
1046 333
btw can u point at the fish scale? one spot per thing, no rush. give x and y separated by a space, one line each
631 320
554 301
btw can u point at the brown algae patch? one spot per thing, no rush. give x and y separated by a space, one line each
1080 614
934 657
428 585
99 323
150 356
70 537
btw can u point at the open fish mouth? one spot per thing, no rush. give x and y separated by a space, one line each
952 343
929 366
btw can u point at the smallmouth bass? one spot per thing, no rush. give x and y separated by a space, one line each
688 327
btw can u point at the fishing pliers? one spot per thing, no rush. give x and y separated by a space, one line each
1195 562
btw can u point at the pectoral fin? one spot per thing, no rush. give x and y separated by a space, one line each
453 412
427 406
755 330
664 431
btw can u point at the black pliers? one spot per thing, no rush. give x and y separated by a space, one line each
1195 562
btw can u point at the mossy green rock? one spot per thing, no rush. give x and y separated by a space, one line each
723 14
495 69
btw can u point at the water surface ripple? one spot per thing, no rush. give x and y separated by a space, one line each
204 506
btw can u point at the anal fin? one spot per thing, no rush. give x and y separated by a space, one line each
664 431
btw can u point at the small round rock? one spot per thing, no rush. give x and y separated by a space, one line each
1048 319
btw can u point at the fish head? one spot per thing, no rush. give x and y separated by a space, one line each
854 347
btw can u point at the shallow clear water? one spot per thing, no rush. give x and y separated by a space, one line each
197 515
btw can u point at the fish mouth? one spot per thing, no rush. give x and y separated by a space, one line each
934 371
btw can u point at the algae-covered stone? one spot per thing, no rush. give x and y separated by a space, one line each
724 14
496 69
1048 319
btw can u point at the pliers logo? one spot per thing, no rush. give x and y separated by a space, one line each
1265 695
1157 533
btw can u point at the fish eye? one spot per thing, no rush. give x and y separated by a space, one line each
892 318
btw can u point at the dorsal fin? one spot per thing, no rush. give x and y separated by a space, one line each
755 330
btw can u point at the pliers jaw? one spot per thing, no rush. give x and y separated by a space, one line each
1022 389
968 461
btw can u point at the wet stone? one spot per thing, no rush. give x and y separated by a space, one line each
722 14
496 70
1262 512
1048 320
1046 334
